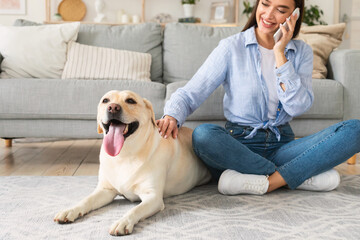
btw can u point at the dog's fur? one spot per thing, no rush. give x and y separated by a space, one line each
148 167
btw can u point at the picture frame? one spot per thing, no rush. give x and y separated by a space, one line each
220 12
16 7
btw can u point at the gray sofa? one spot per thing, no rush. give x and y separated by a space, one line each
67 108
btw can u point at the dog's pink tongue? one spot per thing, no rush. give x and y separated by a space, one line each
114 139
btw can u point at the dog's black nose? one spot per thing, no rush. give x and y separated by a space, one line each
114 108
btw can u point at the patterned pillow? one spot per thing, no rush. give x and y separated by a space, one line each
90 62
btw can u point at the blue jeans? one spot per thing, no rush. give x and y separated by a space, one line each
295 160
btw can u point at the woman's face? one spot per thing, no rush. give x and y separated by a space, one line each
271 13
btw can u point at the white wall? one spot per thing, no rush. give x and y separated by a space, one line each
36 9
327 6
351 38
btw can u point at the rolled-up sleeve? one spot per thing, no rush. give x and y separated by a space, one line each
298 96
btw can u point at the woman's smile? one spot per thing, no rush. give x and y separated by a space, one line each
267 24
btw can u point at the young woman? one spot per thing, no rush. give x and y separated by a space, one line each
266 85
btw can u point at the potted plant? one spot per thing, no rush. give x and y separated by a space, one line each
188 6
312 15
248 8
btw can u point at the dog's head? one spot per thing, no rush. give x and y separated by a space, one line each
121 116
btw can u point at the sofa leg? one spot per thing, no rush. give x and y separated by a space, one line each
8 142
352 160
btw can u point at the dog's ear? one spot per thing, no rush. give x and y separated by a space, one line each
150 107
99 129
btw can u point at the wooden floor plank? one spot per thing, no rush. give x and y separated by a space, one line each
72 157
90 165
26 153
346 169
45 159
67 163
5 151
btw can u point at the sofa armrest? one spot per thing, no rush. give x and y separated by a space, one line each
344 67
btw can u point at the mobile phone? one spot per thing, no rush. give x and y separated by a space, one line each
278 34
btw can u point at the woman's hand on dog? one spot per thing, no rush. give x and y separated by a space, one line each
167 126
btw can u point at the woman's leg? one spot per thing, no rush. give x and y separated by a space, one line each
220 151
275 181
317 153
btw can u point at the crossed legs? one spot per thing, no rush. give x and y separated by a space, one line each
290 163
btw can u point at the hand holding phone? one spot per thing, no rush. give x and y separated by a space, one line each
278 34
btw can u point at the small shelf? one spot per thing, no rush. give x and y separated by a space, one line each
162 24
86 22
142 20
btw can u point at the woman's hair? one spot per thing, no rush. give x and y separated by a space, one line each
298 4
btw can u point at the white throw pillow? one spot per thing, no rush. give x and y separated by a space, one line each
35 51
90 62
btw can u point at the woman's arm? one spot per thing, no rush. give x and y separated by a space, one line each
296 95
279 47
187 99
295 86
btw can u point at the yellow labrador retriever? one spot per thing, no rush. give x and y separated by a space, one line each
137 163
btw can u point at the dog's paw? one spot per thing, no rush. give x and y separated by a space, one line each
67 216
122 227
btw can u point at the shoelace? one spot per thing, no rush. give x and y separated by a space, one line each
252 187
308 181
257 185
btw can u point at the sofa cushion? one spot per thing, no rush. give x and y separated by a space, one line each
91 62
211 109
35 51
323 39
328 102
186 47
67 99
146 38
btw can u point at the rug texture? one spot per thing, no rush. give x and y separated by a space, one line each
28 205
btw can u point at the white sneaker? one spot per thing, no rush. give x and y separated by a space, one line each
323 182
232 183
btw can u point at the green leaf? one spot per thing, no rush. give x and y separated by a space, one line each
312 15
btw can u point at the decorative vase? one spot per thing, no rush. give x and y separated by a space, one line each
135 18
188 10
125 19
99 7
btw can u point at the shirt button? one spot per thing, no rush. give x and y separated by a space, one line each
279 74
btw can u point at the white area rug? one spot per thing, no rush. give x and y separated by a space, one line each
28 205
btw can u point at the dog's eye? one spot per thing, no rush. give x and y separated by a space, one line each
106 100
130 101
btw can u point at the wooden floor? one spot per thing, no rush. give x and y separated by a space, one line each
70 158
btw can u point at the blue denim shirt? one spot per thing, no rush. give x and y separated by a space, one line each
236 64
